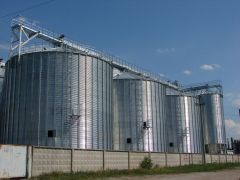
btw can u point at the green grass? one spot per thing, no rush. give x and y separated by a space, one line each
137 172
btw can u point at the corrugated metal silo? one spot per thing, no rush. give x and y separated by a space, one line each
139 114
59 99
184 124
2 72
215 136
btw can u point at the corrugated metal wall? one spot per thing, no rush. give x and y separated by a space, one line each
2 73
136 102
43 90
184 124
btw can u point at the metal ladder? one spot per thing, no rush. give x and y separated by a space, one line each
139 114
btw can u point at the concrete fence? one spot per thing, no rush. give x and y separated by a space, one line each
42 160
46 160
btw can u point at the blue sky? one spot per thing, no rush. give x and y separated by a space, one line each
185 40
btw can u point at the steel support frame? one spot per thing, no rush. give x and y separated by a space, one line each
31 31
20 37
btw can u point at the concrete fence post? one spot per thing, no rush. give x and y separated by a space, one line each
180 159
72 154
166 160
191 158
203 158
226 158
129 159
232 158
103 159
211 157
29 157
219 159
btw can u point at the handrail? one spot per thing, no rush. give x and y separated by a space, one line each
117 62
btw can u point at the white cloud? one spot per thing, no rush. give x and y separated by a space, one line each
165 50
207 67
4 47
232 128
210 67
187 72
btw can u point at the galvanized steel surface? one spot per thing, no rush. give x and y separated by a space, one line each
184 124
57 93
2 73
137 101
213 119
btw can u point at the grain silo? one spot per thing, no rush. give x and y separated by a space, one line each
2 73
57 98
139 121
60 93
184 124
214 125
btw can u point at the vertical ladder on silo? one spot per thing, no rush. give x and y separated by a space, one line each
69 105
139 114
179 126
182 129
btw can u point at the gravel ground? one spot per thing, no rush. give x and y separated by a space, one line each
233 174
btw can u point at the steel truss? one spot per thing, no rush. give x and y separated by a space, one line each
23 32
204 88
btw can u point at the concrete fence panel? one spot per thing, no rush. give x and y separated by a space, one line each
13 161
87 160
159 159
173 160
47 160
235 158
116 160
185 159
229 158
222 158
197 158
208 159
136 158
215 158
